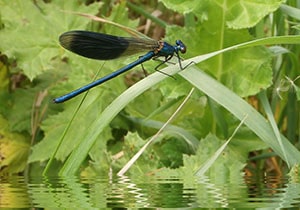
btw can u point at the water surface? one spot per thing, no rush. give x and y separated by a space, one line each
147 192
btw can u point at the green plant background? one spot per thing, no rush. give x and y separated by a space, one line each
34 69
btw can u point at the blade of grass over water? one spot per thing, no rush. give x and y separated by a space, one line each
212 88
67 128
201 171
263 98
140 152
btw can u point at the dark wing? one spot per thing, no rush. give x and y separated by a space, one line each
103 46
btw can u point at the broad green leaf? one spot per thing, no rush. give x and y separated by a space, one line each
237 13
31 30
184 6
247 13
14 150
227 167
20 120
34 98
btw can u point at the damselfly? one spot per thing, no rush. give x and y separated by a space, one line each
105 47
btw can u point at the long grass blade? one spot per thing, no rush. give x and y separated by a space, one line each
263 98
213 158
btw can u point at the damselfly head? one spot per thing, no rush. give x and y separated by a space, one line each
181 46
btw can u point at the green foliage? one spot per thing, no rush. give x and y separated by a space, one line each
37 23
227 167
237 14
14 150
111 124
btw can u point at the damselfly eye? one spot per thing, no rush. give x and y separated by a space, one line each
181 46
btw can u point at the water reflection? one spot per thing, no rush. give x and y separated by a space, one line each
149 192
